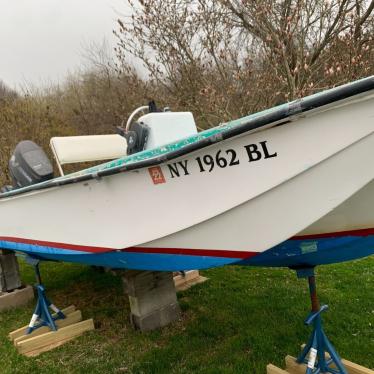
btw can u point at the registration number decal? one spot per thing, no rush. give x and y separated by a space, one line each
222 159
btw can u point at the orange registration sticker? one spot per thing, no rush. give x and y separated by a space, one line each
156 175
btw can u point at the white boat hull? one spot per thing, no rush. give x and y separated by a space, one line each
264 187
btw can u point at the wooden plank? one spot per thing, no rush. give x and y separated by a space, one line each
189 275
293 367
41 343
351 367
21 331
191 283
47 348
70 319
271 369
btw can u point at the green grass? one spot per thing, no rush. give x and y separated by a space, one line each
237 322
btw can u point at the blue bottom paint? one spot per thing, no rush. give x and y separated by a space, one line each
313 252
149 261
291 253
120 259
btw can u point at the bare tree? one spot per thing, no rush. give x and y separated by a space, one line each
190 54
308 42
223 58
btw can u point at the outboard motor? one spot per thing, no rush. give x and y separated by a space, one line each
135 133
29 165
136 137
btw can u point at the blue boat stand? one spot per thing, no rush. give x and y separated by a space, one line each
42 315
314 353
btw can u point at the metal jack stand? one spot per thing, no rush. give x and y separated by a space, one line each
314 353
42 315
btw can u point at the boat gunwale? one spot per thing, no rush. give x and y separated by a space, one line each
276 116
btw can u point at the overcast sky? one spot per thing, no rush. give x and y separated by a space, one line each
42 40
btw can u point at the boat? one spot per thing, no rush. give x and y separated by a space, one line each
288 186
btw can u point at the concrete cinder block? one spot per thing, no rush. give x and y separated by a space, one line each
16 298
153 299
156 319
149 291
9 271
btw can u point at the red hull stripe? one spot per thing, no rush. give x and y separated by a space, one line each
178 251
363 232
175 251
71 247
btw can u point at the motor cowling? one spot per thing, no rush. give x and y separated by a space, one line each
29 165
136 137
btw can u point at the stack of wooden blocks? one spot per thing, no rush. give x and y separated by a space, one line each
292 367
43 339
